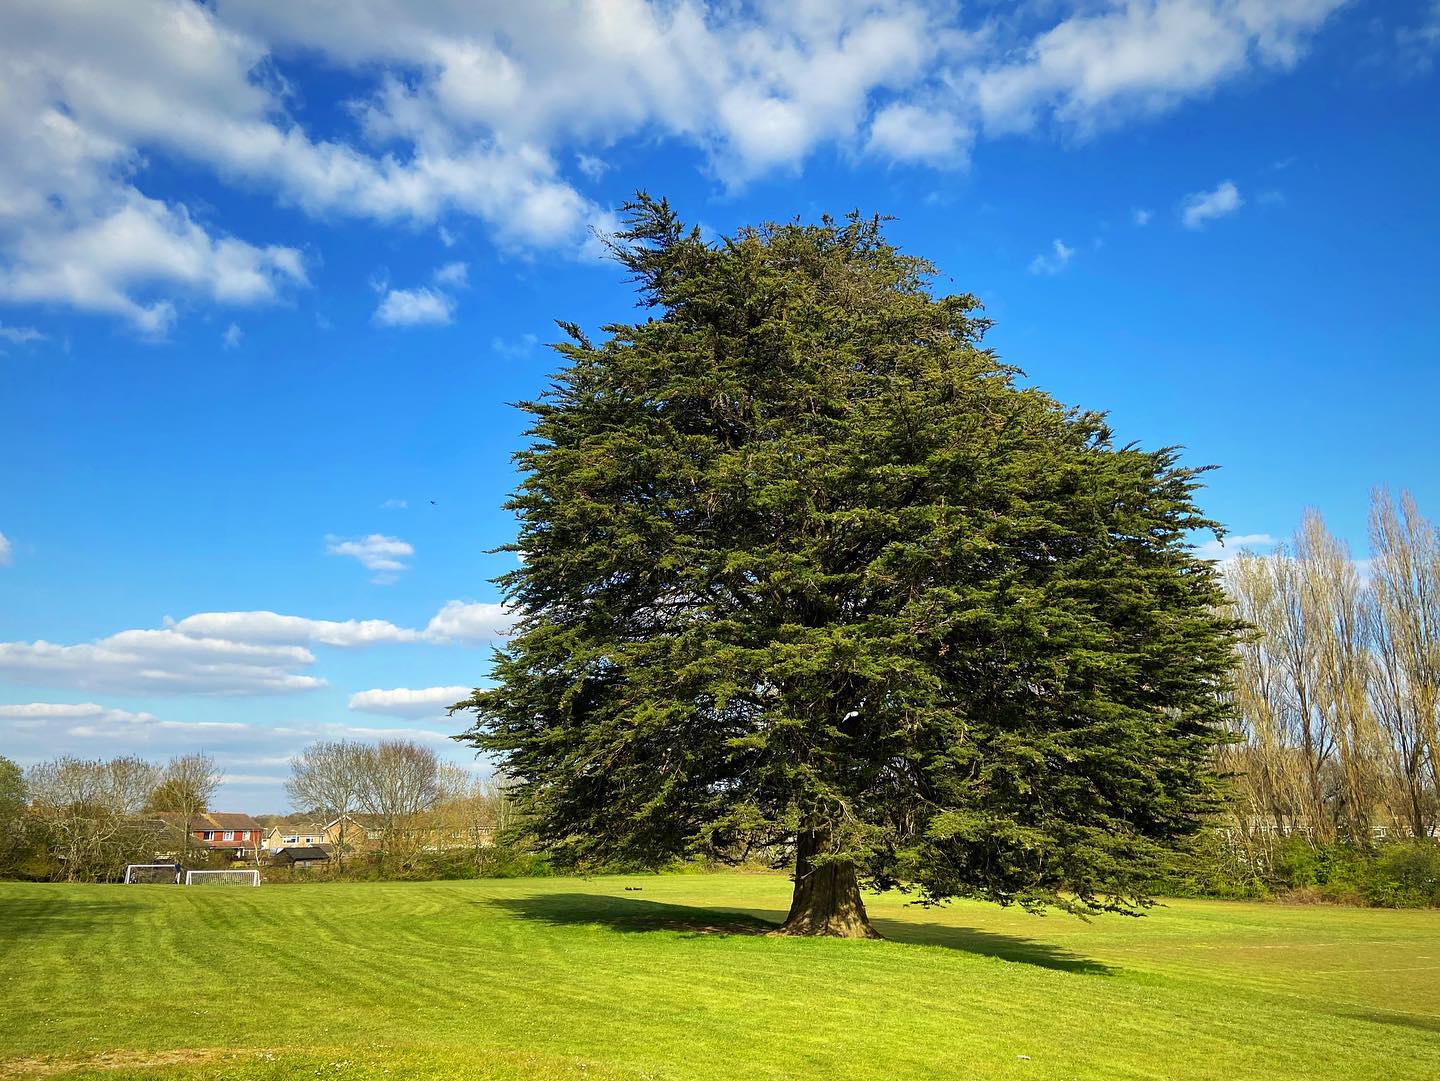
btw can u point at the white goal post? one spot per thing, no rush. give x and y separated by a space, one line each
222 878
153 873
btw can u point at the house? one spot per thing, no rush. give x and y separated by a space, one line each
235 834
362 831
302 855
290 835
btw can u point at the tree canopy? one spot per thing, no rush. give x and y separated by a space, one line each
807 569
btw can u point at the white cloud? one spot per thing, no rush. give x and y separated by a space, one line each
910 133
92 720
1054 261
456 275
7 551
271 627
414 307
394 504
1112 61
1141 216
408 702
1233 545
160 662
232 337
376 552
20 335
1418 45
462 113
462 622
1202 206
518 349
593 166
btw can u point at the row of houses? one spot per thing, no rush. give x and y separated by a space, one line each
303 843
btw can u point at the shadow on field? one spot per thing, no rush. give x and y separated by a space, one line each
1394 1017
631 914
1025 951
83 916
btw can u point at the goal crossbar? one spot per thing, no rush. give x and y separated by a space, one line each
131 868
220 878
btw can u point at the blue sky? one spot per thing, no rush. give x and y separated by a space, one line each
269 276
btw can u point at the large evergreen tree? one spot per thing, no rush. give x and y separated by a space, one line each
806 571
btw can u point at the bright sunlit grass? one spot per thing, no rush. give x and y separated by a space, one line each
586 979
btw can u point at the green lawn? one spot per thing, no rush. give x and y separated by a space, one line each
585 979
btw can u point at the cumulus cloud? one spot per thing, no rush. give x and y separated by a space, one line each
459 621
271 627
464 112
1112 61
414 307
376 552
232 337
409 702
1141 216
911 133
1203 206
1053 261
161 662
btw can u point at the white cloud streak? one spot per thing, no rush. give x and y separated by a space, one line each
376 552
7 551
161 662
1053 261
1205 206
459 621
273 628
20 335
409 702
1233 545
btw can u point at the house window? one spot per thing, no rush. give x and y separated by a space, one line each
229 835
291 840
208 834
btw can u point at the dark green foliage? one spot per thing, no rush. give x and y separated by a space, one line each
799 551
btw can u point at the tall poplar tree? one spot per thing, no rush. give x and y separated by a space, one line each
805 570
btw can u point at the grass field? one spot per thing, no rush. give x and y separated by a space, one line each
585 979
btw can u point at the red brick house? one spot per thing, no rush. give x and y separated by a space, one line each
225 831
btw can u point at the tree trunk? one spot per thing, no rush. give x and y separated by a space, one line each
827 897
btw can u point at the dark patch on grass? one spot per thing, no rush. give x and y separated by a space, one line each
1024 951
632 915
1394 1017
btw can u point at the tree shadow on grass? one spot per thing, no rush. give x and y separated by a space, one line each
633 914
1393 1017
1026 951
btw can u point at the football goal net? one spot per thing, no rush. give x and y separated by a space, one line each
160 873
222 878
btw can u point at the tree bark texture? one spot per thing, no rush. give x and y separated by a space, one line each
827 897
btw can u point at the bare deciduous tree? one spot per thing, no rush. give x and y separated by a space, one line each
1337 690
89 812
326 779
402 780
